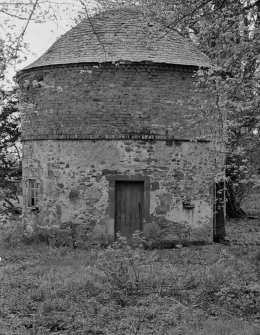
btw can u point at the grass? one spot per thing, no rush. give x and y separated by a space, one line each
200 290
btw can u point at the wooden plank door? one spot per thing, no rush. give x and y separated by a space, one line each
129 204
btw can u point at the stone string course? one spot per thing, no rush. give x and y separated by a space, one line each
112 137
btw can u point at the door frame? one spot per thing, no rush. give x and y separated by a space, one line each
112 179
219 215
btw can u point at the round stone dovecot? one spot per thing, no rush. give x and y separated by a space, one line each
116 137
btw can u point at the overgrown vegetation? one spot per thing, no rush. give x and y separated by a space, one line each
10 153
201 290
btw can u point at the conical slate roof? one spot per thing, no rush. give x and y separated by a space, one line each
122 34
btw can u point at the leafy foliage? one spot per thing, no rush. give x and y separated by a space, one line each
10 147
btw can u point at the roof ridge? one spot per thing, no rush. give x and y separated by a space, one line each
120 8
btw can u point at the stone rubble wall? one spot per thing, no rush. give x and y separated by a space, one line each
74 185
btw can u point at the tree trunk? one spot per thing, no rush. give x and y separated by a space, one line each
233 209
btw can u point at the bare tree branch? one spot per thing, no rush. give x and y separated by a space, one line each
192 12
13 15
92 26
13 49
29 19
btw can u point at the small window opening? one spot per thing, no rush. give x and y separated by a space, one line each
32 193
